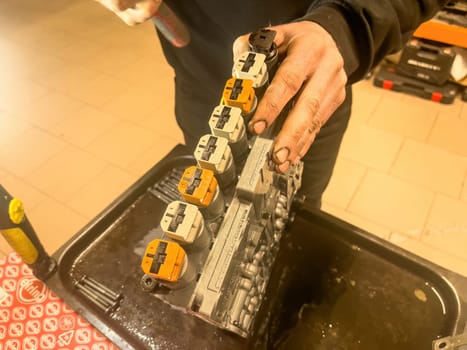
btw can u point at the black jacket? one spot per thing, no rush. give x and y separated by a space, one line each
364 30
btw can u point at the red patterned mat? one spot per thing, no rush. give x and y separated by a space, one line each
33 317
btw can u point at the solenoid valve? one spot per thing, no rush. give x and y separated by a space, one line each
184 223
240 93
252 66
199 186
214 153
227 122
166 261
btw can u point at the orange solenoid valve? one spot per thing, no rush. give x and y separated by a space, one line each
239 93
198 186
163 260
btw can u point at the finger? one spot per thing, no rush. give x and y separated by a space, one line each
287 81
320 97
329 105
297 67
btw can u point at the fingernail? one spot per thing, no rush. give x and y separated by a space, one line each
258 127
282 155
283 167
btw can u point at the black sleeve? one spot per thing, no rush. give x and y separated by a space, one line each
367 30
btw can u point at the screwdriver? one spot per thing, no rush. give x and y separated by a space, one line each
18 232
166 21
171 27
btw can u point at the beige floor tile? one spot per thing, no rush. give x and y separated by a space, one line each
8 25
410 117
16 95
12 62
50 109
41 38
100 90
449 133
446 228
112 60
137 38
448 213
101 191
80 51
365 100
55 223
123 144
346 177
65 173
84 125
163 122
134 104
71 19
44 65
152 156
391 202
5 248
451 110
426 165
3 174
84 11
463 112
10 128
464 191
358 221
149 69
18 188
69 78
431 253
35 148
371 147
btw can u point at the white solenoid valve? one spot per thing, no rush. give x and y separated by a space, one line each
184 223
227 122
251 65
214 153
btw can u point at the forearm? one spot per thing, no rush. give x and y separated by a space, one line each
366 31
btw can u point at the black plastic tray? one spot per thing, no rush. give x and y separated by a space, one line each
333 286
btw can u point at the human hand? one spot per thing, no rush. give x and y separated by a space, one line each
132 11
313 71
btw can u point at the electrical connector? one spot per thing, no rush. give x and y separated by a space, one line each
214 153
228 122
240 93
262 41
163 260
183 222
251 65
198 186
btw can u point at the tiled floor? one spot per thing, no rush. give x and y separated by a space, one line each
86 107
